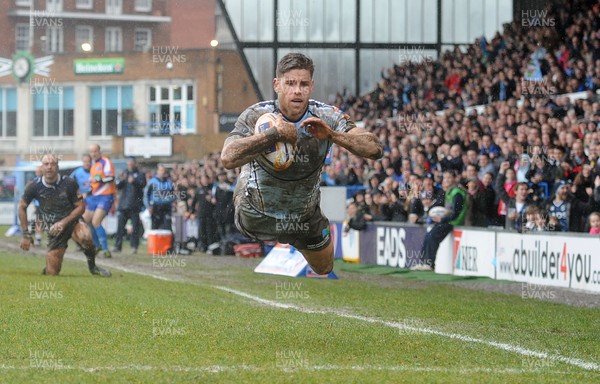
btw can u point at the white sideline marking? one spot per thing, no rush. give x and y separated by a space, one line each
590 366
504 346
329 367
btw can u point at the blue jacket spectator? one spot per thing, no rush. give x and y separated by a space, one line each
160 190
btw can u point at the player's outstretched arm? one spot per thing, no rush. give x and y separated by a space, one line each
358 140
239 150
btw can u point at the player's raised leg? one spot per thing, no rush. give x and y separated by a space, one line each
321 261
82 236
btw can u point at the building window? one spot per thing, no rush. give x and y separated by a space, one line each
143 5
53 111
172 108
54 39
8 112
143 39
54 5
84 34
22 37
84 4
114 39
114 7
23 3
111 106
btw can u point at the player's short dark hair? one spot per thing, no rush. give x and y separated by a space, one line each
294 60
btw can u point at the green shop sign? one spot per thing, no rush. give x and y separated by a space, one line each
99 66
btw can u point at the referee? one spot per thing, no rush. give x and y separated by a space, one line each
60 210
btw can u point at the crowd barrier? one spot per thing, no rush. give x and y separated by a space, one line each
568 260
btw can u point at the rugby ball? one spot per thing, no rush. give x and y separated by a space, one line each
281 155
438 212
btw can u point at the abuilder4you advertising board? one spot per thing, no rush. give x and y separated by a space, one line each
563 260
571 262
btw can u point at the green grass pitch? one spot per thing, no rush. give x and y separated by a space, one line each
204 319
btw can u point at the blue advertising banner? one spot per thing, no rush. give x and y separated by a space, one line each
336 230
392 244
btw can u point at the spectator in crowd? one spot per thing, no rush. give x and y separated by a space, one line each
485 166
456 203
545 164
582 182
397 208
131 185
359 199
372 206
484 204
509 185
355 217
223 205
543 223
472 188
537 191
454 161
515 206
488 147
159 198
522 167
568 210
203 209
594 223
415 203
531 216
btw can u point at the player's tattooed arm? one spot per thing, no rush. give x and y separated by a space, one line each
239 150
358 141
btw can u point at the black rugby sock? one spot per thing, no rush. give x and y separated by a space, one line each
90 255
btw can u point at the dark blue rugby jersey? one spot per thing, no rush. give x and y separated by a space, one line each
57 200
